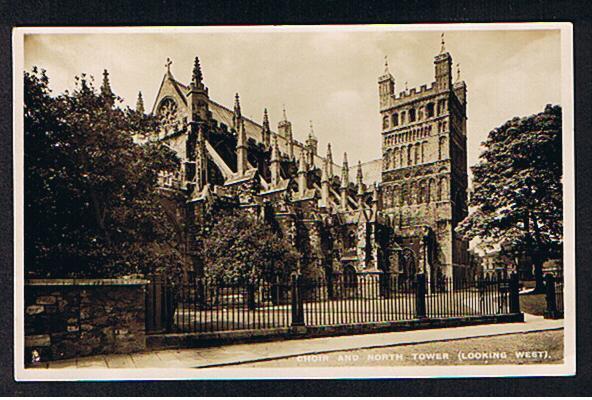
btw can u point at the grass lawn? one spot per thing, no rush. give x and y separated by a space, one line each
543 348
534 304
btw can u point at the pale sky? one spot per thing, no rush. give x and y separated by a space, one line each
327 77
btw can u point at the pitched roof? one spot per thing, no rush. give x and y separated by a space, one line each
371 170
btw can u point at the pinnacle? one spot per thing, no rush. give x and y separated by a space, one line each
197 76
284 112
106 86
140 103
237 103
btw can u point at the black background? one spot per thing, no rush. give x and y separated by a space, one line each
190 13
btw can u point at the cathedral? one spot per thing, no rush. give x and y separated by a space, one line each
402 222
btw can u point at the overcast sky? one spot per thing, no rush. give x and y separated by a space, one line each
327 77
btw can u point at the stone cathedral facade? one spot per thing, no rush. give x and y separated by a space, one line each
402 223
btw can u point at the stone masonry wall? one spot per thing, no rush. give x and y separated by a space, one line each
66 318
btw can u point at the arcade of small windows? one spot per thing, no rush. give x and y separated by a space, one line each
404 156
423 191
419 132
412 115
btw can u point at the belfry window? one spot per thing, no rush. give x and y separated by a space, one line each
430 110
385 122
395 119
412 115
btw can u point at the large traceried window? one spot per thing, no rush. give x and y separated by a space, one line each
168 113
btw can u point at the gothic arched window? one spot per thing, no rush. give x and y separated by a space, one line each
168 112
412 115
395 119
385 122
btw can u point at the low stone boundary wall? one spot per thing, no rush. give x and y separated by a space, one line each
186 340
66 318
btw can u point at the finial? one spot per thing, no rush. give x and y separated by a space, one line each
106 86
458 72
328 150
140 103
237 103
443 48
197 77
265 118
311 133
406 87
284 112
168 65
386 68
345 159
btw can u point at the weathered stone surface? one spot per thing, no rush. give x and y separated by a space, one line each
69 320
37 340
46 300
34 309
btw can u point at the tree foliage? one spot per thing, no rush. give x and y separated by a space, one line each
238 247
92 206
517 197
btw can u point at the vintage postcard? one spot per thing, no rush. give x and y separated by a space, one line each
294 202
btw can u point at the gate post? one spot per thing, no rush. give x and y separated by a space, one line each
420 296
514 287
550 297
251 302
297 304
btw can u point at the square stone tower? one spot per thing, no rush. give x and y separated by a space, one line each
424 176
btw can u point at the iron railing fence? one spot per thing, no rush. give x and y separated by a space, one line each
468 297
198 306
554 297
357 298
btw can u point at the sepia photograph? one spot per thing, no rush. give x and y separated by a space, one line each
266 202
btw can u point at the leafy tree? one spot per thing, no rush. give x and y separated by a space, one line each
517 196
238 247
92 206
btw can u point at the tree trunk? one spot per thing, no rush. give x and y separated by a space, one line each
538 258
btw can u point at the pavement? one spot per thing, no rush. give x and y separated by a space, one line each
234 354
